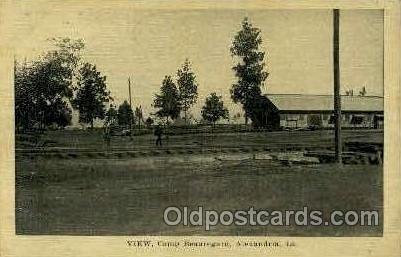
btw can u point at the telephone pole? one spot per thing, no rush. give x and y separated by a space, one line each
129 92
130 103
336 73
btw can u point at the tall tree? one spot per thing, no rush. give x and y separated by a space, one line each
44 86
139 115
214 109
187 87
111 116
249 70
92 94
125 114
26 97
167 102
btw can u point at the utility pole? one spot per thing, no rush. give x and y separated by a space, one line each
129 91
337 96
130 104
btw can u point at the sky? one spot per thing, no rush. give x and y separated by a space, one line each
147 44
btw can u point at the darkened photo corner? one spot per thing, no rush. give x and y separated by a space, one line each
217 122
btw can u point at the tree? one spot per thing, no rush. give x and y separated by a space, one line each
110 121
26 97
349 92
249 70
111 117
362 92
44 86
168 100
149 122
214 109
187 87
92 94
139 115
125 114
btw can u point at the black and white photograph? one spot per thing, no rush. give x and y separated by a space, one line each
198 122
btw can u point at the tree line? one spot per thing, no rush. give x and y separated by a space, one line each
48 88
250 73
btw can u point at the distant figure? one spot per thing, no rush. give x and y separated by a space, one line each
158 134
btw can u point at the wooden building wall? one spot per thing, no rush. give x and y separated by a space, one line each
325 120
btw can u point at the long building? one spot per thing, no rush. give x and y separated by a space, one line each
316 111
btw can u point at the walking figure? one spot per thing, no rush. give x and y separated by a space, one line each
158 134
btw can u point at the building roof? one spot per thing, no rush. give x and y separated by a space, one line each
296 102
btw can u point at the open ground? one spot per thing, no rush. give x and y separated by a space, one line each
126 195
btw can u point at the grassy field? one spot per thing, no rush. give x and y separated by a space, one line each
128 196
94 139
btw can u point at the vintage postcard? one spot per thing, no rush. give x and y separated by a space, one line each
154 128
